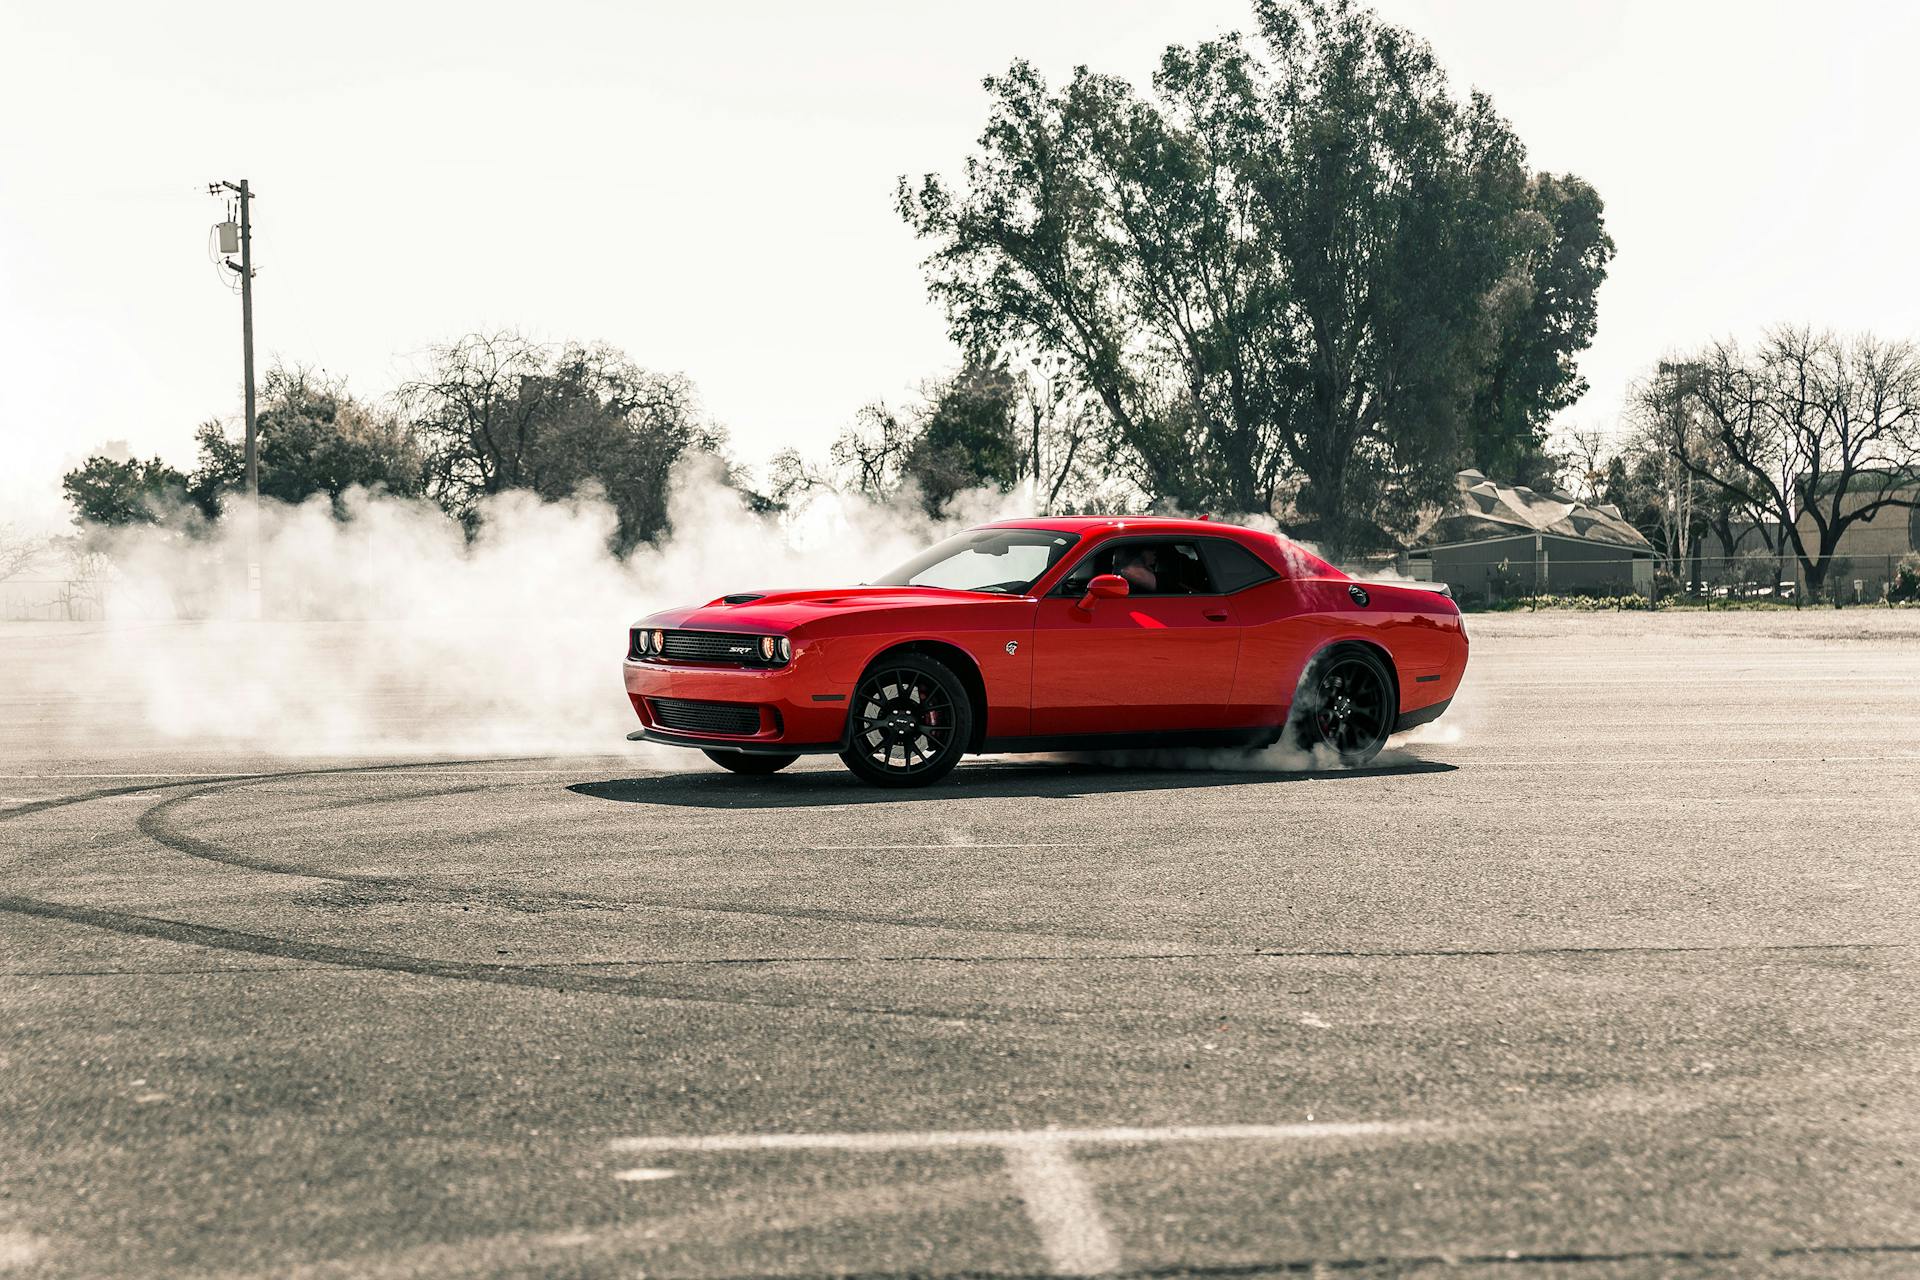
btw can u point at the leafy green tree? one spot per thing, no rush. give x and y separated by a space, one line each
314 438
109 492
1548 312
963 437
496 412
967 439
1284 277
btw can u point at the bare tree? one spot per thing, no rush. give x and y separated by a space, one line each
1668 433
1810 432
17 551
871 455
1586 451
1060 419
470 415
498 411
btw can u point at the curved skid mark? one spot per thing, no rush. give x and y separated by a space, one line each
155 824
108 793
504 975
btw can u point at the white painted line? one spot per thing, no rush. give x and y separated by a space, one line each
1062 1208
645 1175
1065 1215
952 1139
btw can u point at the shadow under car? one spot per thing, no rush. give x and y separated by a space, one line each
1061 779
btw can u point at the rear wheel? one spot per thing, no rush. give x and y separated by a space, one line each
1346 704
910 721
754 764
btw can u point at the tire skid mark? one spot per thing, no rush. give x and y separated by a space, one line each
368 802
157 825
184 780
504 975
564 981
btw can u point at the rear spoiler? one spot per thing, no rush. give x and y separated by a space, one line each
1438 588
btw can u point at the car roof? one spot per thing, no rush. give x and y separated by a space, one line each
1133 524
1303 562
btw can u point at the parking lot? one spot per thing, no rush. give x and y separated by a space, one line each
1612 972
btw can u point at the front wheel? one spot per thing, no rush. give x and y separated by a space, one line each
1346 703
911 721
755 765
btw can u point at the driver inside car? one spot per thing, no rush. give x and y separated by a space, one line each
1140 567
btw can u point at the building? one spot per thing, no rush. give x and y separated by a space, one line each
1495 541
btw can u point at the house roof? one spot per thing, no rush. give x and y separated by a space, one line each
1481 508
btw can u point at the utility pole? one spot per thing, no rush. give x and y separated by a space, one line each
245 271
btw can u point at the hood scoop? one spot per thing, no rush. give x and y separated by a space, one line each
745 597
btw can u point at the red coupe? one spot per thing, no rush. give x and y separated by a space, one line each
1049 635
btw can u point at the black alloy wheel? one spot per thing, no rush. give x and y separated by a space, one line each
751 763
1347 704
909 722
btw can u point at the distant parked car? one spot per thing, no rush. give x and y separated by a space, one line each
1047 635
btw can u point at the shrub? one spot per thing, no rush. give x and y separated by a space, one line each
1905 587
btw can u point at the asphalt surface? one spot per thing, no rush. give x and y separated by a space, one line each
1612 975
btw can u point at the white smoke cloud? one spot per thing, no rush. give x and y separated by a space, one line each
389 632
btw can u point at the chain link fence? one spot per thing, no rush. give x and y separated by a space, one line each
53 600
1630 581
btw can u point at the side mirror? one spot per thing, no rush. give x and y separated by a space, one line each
1105 586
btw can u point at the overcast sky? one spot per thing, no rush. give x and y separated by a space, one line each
709 186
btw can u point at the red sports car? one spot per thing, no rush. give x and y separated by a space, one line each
1049 635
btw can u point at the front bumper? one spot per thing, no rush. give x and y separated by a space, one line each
798 708
746 746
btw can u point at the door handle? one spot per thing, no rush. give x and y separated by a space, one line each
1215 615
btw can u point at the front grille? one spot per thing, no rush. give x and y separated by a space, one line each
730 647
737 718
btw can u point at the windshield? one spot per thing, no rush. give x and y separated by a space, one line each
1005 561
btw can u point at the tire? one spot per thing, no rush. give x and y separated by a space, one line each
1346 703
754 765
909 722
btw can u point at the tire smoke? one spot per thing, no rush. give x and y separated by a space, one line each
390 632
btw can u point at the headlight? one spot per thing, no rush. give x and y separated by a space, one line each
775 649
659 641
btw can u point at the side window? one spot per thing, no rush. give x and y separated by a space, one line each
1151 568
1234 566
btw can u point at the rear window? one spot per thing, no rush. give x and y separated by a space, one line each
1234 567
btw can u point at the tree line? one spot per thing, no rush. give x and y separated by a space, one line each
1771 450
1297 273
491 413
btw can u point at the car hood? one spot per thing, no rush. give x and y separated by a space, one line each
786 609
